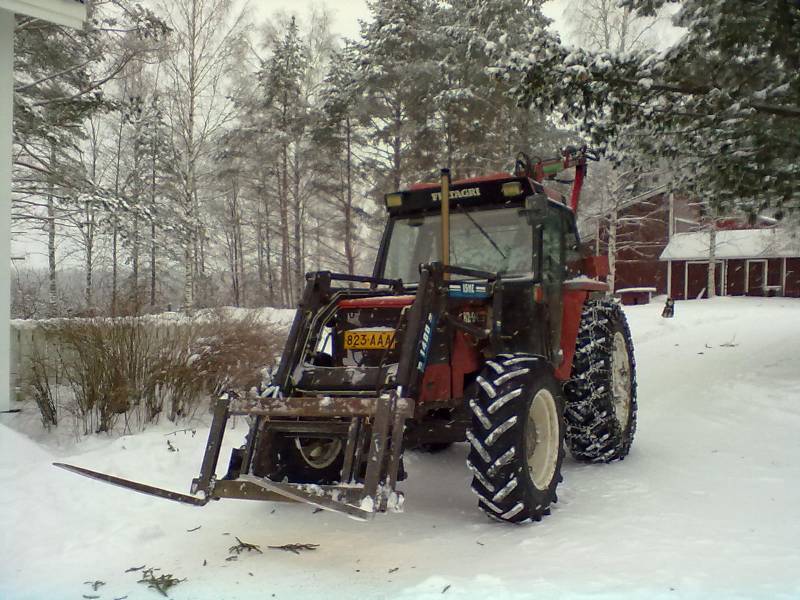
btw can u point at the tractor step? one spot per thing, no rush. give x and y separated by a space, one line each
314 406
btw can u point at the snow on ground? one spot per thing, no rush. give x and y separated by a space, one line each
705 506
278 317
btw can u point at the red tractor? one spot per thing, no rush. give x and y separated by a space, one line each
482 321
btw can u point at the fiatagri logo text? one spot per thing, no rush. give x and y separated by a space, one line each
467 193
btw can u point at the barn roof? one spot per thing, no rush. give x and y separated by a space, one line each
735 243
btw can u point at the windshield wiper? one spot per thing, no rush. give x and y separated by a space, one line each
483 231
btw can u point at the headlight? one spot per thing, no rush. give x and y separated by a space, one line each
511 189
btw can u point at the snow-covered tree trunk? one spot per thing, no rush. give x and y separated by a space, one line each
188 279
283 192
711 286
297 210
88 241
190 266
613 224
88 226
268 252
153 277
240 254
397 148
114 265
153 156
115 221
192 155
51 237
263 237
135 263
348 207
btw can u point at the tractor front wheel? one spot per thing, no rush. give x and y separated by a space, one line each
312 460
516 438
295 459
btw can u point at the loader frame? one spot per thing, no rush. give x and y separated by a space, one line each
372 425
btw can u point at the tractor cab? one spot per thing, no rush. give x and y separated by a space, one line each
510 226
493 227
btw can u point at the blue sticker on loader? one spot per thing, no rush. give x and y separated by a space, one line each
427 336
468 289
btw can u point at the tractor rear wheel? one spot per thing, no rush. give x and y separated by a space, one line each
601 391
516 438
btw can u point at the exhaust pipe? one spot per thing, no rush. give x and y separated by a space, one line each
445 182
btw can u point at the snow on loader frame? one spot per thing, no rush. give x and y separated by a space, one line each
482 321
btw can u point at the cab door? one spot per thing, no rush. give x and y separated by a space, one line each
554 269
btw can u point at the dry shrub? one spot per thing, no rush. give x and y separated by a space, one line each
108 366
228 348
43 377
137 368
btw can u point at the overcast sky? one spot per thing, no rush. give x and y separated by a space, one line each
346 14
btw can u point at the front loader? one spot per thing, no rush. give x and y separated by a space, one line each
483 321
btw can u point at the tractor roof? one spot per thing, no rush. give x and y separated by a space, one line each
495 189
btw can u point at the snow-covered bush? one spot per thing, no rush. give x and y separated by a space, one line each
127 372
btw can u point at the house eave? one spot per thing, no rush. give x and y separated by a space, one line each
69 13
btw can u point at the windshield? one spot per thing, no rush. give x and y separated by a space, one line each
498 240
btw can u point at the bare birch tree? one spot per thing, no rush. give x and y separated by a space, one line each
206 40
604 25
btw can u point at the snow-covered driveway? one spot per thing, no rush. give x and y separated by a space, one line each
706 505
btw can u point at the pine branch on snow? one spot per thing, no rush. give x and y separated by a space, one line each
296 548
242 546
161 583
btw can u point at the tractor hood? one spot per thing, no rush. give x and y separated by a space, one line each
377 302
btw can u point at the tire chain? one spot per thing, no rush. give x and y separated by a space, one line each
593 432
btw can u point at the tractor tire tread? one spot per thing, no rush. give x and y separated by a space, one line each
496 463
593 432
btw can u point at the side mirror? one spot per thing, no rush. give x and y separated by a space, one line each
536 208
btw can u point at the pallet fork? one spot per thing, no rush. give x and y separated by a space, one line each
386 414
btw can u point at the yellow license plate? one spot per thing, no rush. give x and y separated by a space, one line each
366 339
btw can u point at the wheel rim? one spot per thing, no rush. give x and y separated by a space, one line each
621 379
542 440
318 453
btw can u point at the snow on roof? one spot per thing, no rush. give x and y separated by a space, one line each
734 243
70 13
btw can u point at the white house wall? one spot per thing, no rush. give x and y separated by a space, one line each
6 123
70 13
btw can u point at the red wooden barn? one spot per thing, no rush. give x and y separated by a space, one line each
662 248
749 262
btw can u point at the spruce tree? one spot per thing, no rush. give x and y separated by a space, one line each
723 104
